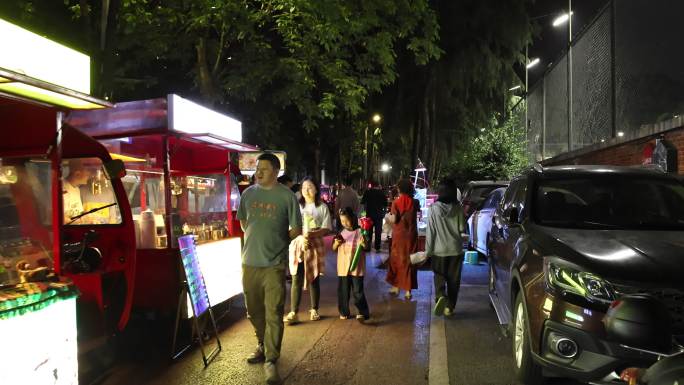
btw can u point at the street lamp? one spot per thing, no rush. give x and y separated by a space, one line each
532 63
385 167
376 118
528 64
562 19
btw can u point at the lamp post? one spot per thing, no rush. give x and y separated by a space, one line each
560 20
528 64
377 118
557 22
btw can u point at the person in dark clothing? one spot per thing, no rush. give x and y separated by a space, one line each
375 202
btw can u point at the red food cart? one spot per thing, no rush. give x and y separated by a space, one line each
180 180
64 217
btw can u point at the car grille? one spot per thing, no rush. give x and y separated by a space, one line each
673 299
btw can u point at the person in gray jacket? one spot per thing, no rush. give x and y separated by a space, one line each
444 246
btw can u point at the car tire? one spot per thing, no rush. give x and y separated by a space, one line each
526 370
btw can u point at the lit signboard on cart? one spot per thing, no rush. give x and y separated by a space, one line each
192 118
33 55
247 161
35 68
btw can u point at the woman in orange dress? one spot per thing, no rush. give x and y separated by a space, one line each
400 273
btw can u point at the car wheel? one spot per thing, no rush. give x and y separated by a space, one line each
526 370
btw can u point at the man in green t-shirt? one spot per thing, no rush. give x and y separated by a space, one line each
269 216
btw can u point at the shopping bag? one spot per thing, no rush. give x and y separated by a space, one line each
418 258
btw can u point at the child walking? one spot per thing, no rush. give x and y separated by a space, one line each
350 282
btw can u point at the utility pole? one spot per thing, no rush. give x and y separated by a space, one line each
569 75
365 156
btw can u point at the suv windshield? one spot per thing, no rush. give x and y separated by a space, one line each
610 202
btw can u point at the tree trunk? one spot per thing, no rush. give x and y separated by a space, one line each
205 82
110 20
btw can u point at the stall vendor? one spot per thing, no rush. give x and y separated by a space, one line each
71 193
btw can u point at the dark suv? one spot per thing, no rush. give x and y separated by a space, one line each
565 243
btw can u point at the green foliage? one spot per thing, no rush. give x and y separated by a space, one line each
499 152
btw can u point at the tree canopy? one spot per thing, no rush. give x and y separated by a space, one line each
305 76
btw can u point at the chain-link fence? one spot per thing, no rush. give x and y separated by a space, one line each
627 71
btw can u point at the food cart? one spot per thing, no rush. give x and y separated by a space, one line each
52 252
180 180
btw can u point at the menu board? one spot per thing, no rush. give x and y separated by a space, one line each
248 160
196 287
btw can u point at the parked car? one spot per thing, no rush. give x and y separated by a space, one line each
480 222
475 192
568 241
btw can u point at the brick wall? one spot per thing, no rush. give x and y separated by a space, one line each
626 153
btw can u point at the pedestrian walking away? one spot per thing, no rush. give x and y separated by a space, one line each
347 197
400 273
350 278
444 246
374 202
269 216
307 251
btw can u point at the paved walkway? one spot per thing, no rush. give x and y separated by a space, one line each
391 348
401 344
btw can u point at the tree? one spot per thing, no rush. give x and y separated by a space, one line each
435 117
498 153
305 61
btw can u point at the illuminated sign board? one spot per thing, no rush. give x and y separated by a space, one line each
32 55
193 274
221 264
192 118
247 161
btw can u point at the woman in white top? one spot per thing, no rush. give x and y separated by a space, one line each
307 252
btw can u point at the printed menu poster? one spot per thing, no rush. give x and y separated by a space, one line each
196 287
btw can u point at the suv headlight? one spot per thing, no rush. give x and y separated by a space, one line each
572 280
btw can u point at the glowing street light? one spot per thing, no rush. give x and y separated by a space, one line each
385 167
532 63
562 19
377 118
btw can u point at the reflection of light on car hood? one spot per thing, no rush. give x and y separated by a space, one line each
615 256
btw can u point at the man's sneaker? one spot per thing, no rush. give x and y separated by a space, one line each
344 316
271 371
257 356
361 318
313 315
408 295
448 311
440 306
291 318
394 290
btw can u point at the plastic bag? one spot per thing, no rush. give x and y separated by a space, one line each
418 258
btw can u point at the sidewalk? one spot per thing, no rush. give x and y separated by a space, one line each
391 348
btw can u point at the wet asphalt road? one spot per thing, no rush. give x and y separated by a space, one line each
391 348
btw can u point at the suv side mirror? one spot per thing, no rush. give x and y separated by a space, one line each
114 169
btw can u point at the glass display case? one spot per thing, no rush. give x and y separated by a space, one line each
25 216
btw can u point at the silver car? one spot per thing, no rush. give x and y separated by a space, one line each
480 223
